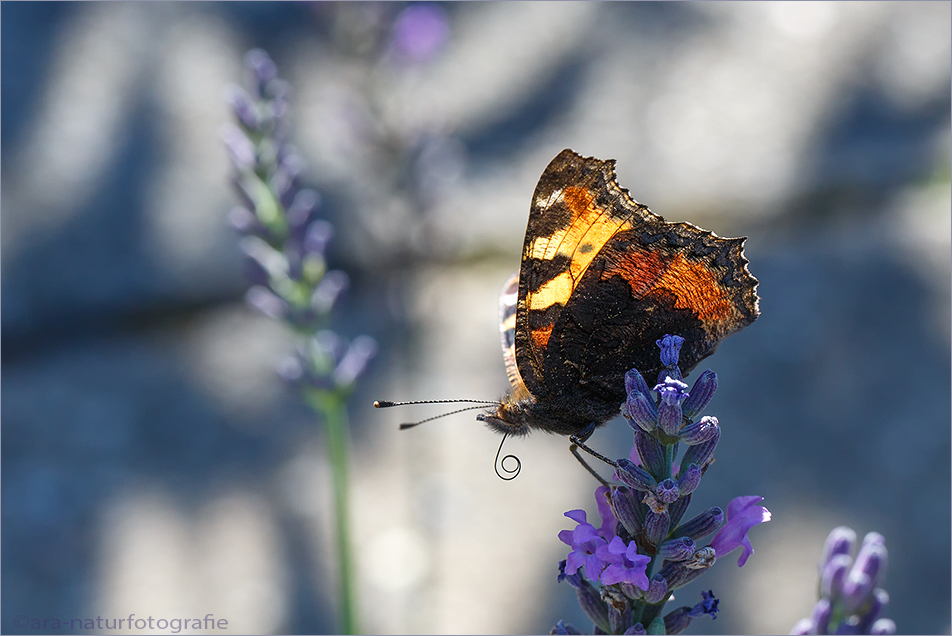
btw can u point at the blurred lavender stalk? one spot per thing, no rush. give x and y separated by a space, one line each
284 243
851 599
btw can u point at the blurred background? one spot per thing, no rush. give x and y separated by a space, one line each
153 462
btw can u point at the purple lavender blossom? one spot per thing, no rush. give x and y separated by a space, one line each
851 599
623 563
633 564
743 513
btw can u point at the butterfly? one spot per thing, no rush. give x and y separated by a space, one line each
602 279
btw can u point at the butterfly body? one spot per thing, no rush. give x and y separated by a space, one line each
602 278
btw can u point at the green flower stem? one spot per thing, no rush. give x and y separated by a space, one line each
332 406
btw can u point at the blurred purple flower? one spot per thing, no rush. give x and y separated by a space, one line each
420 31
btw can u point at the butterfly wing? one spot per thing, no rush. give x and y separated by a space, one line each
603 277
508 300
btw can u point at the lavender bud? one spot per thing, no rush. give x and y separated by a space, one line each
803 627
271 260
641 411
834 574
701 454
670 349
626 509
840 541
700 431
635 383
262 70
240 148
669 410
701 525
701 394
290 370
302 208
689 479
667 491
618 619
883 626
657 590
677 621
651 452
243 107
678 508
679 549
593 606
656 527
879 600
355 361
636 630
820 618
319 233
328 291
266 302
635 476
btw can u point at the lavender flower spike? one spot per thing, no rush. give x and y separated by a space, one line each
743 513
850 597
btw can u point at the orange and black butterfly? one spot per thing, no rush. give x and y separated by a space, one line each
602 279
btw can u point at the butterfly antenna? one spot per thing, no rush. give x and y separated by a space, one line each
384 404
407 425
506 474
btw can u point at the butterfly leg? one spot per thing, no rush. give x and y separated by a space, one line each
578 441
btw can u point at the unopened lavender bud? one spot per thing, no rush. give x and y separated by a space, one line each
656 527
677 621
700 431
262 70
820 618
834 575
679 549
678 508
689 479
667 491
302 210
669 410
240 148
618 619
701 394
328 291
840 541
701 525
670 349
243 107
657 590
651 453
635 476
701 454
879 600
626 510
591 603
636 630
803 627
641 412
883 626
864 575
635 383
266 302
355 361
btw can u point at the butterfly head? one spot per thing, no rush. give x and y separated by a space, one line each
511 416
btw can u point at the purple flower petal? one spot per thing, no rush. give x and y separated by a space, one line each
743 513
